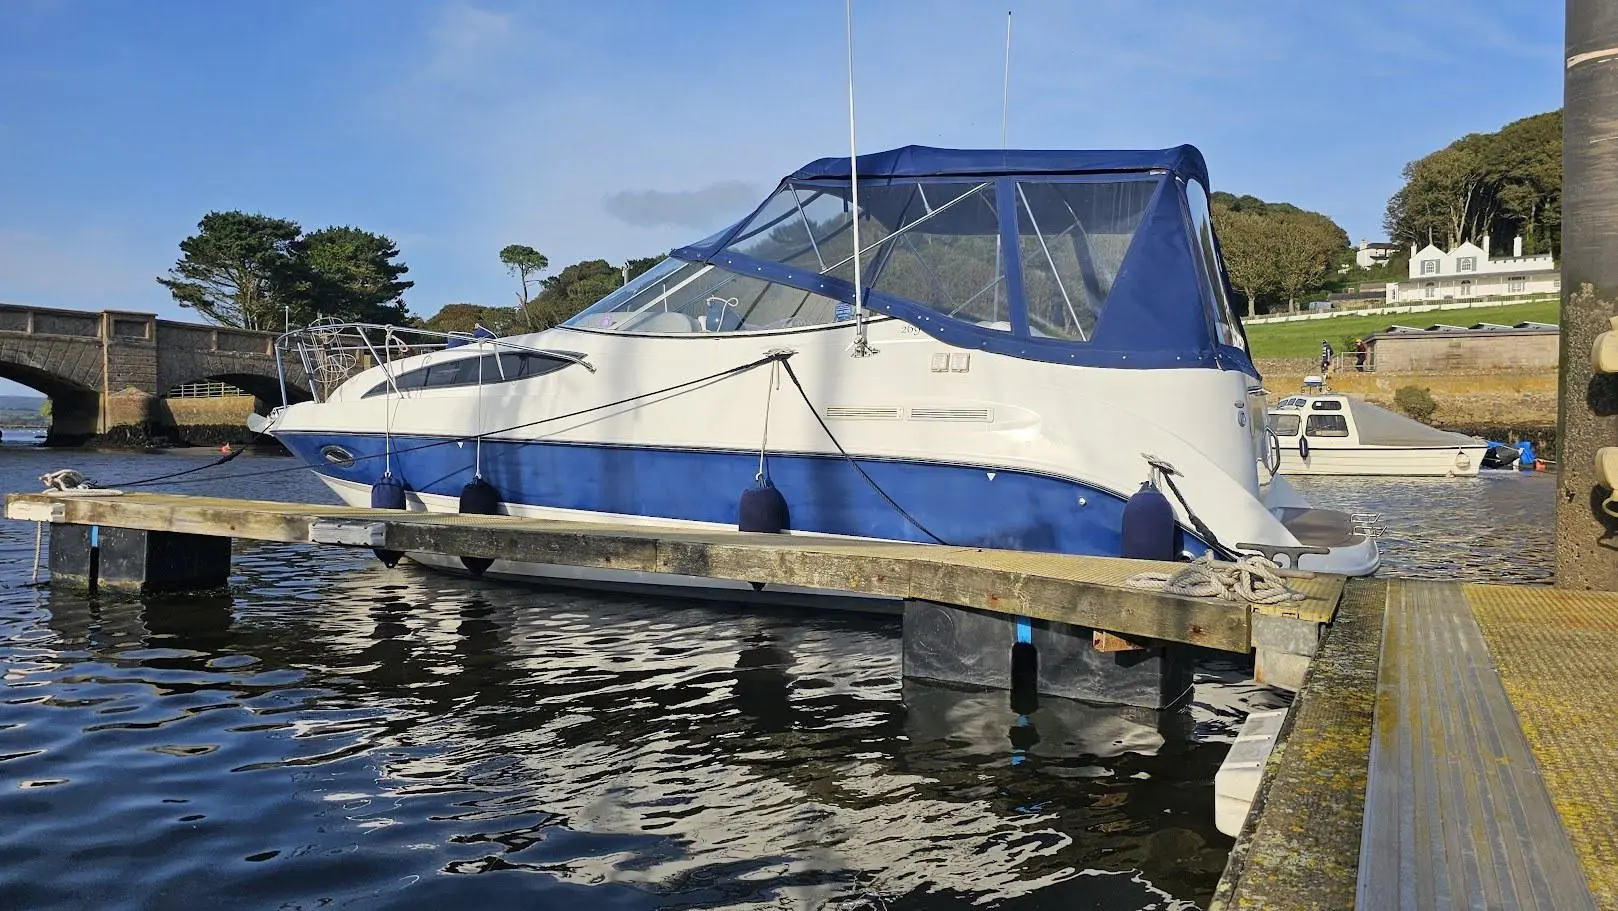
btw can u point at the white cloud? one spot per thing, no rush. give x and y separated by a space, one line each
700 208
462 42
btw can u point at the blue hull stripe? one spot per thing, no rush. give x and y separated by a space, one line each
963 505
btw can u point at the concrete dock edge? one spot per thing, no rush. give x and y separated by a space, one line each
1299 848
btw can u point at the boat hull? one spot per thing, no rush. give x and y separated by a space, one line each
1450 462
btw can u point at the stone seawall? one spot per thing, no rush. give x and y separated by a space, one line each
1523 400
141 421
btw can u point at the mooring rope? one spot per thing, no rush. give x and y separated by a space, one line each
1253 579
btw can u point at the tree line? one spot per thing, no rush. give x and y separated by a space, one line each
257 272
1276 254
254 271
1497 185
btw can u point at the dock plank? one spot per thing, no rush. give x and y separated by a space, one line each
1456 815
1085 591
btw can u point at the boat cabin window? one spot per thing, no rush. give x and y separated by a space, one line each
1213 280
677 297
1327 405
1326 425
1284 425
470 371
1072 238
938 243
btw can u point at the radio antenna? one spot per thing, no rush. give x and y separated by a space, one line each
862 346
1005 98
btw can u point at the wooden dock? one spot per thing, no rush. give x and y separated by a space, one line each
1082 591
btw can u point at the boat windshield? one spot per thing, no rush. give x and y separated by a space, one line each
676 297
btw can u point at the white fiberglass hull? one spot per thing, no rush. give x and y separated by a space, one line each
1452 462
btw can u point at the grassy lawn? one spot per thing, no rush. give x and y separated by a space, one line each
1302 339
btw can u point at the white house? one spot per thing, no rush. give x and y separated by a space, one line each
1468 271
1370 254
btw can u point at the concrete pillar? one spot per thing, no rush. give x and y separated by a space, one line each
958 645
128 559
129 351
1588 417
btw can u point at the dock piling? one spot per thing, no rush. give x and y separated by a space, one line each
134 560
959 645
1588 418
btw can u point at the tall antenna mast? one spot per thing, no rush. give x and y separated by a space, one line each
1005 98
862 346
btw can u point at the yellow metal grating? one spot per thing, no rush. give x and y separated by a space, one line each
1557 653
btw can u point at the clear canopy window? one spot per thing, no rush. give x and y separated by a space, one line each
677 297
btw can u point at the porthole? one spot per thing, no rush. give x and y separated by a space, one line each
338 456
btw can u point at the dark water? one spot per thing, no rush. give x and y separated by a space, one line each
332 734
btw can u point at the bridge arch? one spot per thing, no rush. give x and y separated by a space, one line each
68 372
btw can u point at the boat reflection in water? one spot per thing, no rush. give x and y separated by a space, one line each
377 731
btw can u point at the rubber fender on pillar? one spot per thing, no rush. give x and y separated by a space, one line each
479 498
1148 526
762 509
388 493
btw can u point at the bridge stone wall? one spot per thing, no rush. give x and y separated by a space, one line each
108 370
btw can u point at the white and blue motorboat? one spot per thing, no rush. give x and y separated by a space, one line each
1029 337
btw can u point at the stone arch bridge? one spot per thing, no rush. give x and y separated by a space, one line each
107 369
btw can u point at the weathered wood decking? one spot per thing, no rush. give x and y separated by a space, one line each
1454 746
1084 591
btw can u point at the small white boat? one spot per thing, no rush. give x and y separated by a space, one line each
1336 434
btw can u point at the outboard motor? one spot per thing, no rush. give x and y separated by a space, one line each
388 493
479 498
1148 526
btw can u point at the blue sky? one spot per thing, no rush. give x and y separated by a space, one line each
617 129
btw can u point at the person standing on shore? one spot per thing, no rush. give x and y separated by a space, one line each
1326 354
1360 352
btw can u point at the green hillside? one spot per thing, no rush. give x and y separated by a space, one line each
1302 339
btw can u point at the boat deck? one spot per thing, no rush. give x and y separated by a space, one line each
1454 746
1083 591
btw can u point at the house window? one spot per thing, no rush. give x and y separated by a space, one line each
1517 284
1430 290
1466 264
1429 267
1393 292
1466 288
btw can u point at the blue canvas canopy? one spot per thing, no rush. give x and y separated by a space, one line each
1093 258
926 161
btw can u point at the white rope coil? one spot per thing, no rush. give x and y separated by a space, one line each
1255 580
